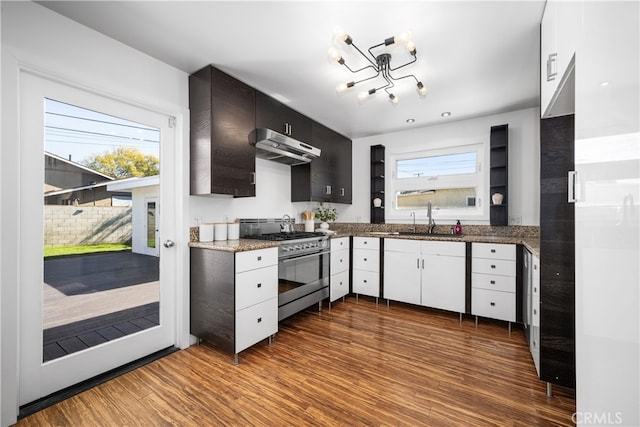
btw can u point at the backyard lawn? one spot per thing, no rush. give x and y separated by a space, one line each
52 251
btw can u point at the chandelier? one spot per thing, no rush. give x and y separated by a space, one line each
380 63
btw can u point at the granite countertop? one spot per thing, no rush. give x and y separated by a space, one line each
235 245
529 242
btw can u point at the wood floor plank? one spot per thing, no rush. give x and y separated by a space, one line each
357 364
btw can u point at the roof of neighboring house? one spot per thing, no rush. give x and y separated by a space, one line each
78 165
71 190
128 184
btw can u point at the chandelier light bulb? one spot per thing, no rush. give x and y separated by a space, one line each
422 89
340 34
404 37
411 47
343 87
335 56
393 99
363 95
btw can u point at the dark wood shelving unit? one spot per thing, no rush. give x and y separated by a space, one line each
499 174
377 183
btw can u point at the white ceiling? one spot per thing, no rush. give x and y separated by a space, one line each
476 57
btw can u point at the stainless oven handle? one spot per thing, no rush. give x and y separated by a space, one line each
304 256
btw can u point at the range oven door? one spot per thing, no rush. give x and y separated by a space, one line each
303 280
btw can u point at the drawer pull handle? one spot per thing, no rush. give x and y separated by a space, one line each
259 258
493 266
493 251
493 282
365 259
259 319
493 304
259 285
535 311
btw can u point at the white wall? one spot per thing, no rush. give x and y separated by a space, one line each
524 155
37 39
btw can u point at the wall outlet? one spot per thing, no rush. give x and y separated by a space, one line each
515 219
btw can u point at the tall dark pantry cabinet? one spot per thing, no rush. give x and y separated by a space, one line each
557 253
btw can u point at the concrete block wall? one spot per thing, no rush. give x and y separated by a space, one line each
84 225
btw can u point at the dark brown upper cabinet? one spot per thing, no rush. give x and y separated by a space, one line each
223 122
327 178
274 115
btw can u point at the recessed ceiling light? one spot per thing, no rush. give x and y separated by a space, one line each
446 114
411 120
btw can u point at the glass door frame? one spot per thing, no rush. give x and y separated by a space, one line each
37 379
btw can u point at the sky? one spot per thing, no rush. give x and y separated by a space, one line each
81 133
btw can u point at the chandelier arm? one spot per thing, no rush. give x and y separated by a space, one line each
404 65
405 77
374 47
363 68
365 56
368 78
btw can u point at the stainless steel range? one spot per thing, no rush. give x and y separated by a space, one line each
303 263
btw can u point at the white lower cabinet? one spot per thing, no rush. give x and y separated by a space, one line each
366 266
339 268
493 281
428 273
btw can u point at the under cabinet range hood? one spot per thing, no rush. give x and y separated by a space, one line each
271 145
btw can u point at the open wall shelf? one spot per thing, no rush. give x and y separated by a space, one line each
499 174
377 183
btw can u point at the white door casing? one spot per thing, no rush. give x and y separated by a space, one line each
37 379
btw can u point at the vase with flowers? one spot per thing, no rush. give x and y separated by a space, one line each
324 214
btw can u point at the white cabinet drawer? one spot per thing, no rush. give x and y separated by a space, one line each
444 248
493 267
366 243
366 283
250 260
493 282
400 245
493 251
256 323
366 260
493 304
339 261
338 285
256 286
339 243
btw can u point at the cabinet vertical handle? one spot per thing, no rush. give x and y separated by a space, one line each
342 191
252 178
552 65
327 190
423 264
418 263
571 193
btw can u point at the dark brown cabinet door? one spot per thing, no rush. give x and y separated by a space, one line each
327 178
557 253
222 132
272 114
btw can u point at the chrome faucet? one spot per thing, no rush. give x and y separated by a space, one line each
432 223
413 214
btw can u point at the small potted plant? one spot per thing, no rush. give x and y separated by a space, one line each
325 214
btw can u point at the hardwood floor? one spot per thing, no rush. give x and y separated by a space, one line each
358 364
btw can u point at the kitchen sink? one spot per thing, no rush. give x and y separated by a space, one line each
410 233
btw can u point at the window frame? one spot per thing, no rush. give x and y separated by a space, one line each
478 180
